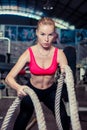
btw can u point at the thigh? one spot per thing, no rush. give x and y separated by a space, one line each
50 103
65 120
26 104
26 111
49 100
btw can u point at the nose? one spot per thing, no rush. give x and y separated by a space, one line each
46 38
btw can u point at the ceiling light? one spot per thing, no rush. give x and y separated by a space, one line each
47 5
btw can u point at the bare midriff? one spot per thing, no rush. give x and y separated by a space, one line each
42 82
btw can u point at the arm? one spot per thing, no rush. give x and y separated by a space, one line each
62 60
10 78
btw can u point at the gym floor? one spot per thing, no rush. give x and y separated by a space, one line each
81 95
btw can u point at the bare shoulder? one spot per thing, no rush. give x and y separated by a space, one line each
34 48
25 56
62 57
25 53
60 52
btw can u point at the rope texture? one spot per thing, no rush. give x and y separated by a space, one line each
38 109
10 113
39 113
57 102
72 99
37 106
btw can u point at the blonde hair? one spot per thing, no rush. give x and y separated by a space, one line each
46 21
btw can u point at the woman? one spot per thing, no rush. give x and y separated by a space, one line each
43 59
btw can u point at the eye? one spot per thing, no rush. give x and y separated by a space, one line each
51 34
42 34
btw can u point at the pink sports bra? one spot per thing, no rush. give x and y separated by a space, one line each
37 70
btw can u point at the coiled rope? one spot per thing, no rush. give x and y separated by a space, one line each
37 106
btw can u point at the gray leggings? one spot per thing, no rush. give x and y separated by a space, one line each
46 96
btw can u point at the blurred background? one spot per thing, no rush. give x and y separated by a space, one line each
18 21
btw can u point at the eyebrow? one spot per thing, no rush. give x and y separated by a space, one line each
49 33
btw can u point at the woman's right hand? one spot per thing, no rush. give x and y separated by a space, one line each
20 91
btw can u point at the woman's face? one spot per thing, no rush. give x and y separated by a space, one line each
45 35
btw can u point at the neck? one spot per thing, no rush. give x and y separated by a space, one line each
43 51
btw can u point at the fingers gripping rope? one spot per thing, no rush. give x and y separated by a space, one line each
37 106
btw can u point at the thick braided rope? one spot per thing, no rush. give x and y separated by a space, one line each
10 113
57 102
37 106
72 99
38 109
73 106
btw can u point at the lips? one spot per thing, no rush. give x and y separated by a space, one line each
46 44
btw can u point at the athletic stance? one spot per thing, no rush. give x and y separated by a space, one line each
43 60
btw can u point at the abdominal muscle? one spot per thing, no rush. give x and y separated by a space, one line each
42 82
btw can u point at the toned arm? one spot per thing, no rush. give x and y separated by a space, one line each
10 79
62 60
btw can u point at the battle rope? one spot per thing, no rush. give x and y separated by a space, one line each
10 113
37 106
57 102
41 123
72 99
